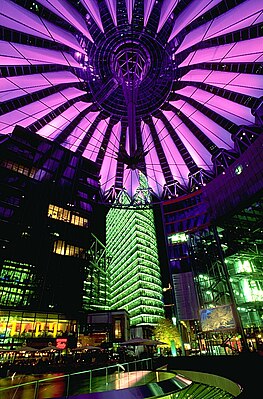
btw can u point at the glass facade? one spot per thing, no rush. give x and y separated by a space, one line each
223 265
96 278
17 284
134 270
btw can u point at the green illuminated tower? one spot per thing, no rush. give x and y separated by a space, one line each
135 281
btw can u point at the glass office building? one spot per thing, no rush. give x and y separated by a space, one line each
134 269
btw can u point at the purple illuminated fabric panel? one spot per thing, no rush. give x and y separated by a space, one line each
175 160
237 113
111 4
245 51
179 80
167 9
29 114
248 13
195 9
79 132
199 153
251 85
93 146
131 181
129 6
154 170
216 133
20 54
16 86
17 18
65 11
148 6
52 129
92 8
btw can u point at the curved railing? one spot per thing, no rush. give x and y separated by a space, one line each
134 379
64 385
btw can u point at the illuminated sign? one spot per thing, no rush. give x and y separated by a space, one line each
61 343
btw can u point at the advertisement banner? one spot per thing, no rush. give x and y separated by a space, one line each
217 319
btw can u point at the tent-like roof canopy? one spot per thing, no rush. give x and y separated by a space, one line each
170 90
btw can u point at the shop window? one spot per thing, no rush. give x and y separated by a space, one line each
31 325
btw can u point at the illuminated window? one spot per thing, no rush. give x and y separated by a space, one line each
30 172
177 238
117 328
28 325
56 212
16 283
61 248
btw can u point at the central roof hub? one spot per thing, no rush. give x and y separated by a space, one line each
130 64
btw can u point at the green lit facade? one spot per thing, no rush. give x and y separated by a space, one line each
245 275
95 283
134 270
246 280
18 283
